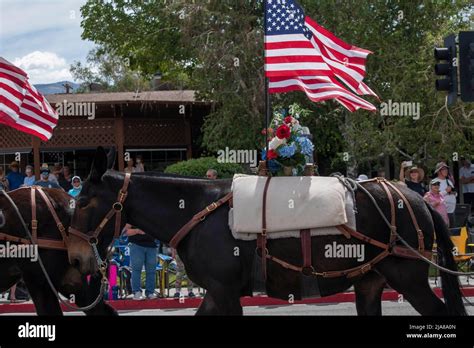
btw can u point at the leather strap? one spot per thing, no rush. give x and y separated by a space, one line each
42 243
305 236
421 241
58 222
196 219
393 213
34 221
116 210
262 238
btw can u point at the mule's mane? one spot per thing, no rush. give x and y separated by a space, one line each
152 175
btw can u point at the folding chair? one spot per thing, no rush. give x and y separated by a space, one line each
459 237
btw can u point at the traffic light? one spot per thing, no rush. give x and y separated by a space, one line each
447 69
466 65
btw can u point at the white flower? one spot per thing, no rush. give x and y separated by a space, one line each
275 142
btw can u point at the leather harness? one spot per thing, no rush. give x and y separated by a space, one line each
388 249
117 207
41 242
307 268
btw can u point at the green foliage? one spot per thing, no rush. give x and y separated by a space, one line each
216 47
112 72
198 167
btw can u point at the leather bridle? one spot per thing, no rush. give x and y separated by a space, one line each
41 242
116 210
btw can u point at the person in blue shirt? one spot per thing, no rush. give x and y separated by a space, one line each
76 187
15 178
45 182
29 178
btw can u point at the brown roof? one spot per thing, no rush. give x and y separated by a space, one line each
185 96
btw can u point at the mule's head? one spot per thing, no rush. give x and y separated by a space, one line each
93 203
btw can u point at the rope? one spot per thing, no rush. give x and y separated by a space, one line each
43 268
423 258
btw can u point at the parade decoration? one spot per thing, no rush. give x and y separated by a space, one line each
288 144
302 55
21 106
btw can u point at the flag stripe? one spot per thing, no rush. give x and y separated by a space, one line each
21 106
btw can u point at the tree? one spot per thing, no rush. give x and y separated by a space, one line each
110 71
216 47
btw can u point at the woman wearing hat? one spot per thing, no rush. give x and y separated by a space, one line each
436 199
412 177
447 190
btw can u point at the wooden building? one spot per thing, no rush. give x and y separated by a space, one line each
162 126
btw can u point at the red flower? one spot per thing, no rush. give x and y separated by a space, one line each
264 131
272 154
288 119
283 132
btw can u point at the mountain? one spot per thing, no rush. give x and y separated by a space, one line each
56 87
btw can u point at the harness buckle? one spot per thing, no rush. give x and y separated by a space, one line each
367 267
211 207
117 206
122 196
34 224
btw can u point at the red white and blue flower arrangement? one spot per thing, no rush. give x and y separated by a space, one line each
289 146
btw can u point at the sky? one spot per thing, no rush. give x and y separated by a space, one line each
43 37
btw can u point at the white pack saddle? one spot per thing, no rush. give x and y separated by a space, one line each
292 204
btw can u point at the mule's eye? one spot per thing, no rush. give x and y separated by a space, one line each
82 202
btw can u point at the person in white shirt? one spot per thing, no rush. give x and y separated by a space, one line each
466 176
447 190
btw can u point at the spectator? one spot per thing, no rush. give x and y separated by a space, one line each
15 178
413 177
44 180
211 174
447 190
30 178
51 176
466 176
436 199
139 168
65 179
142 253
130 168
3 181
76 187
180 276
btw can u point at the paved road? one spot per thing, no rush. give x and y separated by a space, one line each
388 308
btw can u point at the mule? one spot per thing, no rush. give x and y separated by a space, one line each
66 279
161 204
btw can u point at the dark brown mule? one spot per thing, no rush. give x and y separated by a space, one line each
66 279
162 204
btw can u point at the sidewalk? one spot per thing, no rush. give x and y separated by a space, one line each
260 300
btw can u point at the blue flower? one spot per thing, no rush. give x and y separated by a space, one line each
306 145
287 151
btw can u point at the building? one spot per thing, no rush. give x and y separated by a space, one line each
161 126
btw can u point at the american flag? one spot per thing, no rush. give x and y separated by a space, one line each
302 55
21 106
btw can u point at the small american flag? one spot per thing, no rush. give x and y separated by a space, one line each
21 106
302 55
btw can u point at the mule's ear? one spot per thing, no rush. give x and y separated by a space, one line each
111 158
99 165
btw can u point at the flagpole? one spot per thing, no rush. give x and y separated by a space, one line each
268 106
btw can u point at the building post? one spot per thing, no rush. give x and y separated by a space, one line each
119 136
188 134
36 156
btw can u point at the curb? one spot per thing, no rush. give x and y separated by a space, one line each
168 303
